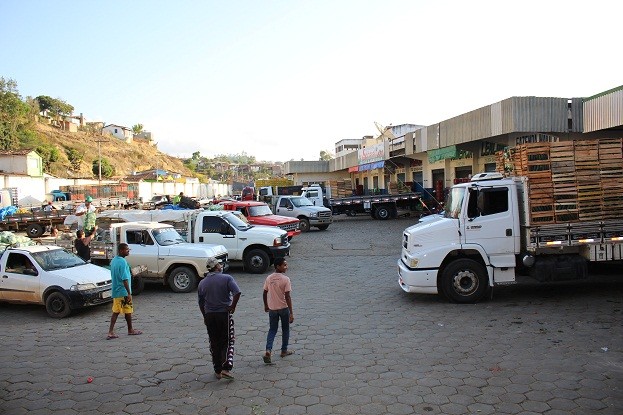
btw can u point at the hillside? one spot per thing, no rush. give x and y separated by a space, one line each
126 158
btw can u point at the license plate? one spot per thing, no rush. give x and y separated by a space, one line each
106 294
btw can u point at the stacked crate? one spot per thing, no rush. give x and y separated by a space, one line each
564 182
611 176
533 161
586 158
340 188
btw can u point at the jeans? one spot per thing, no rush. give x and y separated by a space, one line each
273 317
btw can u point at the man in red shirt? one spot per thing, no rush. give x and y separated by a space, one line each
278 305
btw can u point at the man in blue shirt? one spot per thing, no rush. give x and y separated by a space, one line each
218 296
121 292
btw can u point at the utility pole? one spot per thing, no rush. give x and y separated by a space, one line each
99 153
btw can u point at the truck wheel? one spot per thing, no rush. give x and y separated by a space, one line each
382 213
323 227
304 224
183 280
57 305
256 261
34 230
138 285
464 281
351 213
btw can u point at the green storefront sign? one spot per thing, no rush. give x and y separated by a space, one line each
442 154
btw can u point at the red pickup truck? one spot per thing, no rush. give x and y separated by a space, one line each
259 213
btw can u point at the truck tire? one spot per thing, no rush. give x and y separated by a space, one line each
464 281
34 230
183 280
382 212
304 224
138 285
57 305
256 261
323 227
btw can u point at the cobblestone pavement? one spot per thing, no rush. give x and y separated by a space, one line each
362 346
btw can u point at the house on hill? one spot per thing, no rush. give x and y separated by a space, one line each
24 162
119 131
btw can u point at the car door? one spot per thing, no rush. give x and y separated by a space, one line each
216 230
143 250
20 280
490 224
284 206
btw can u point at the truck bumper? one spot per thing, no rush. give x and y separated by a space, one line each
280 251
421 281
320 221
292 234
87 298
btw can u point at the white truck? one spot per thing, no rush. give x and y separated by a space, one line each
255 246
300 207
54 277
487 237
166 257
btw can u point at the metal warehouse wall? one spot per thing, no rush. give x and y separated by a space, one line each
604 111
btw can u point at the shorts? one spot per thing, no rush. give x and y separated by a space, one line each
120 305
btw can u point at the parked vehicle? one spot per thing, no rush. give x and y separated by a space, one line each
34 223
54 277
259 213
491 233
167 259
303 209
255 246
378 206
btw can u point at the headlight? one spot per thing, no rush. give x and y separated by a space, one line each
277 242
83 287
313 215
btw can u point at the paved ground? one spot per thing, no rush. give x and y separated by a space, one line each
362 346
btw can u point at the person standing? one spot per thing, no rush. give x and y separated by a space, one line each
278 305
87 217
178 198
218 295
82 244
121 292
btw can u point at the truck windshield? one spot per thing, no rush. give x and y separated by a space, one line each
301 201
57 259
454 202
236 222
259 211
167 236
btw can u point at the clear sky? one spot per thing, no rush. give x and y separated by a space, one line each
285 79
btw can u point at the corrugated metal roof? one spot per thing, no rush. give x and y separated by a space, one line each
604 111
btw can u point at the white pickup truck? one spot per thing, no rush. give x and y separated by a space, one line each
54 277
168 259
255 246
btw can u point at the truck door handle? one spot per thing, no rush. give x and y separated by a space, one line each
5 276
509 232
201 239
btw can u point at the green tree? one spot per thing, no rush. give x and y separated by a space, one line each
49 154
136 129
75 158
108 170
14 116
54 106
325 156
196 155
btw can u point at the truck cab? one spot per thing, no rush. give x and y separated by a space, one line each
259 213
469 247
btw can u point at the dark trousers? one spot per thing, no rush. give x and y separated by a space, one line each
221 335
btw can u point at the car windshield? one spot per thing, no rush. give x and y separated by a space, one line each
260 211
454 202
57 259
236 222
300 201
167 236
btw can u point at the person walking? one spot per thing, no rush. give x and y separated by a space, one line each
218 295
121 292
278 305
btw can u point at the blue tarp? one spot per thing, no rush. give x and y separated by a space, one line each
6 211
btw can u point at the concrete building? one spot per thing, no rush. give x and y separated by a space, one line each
439 155
22 162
